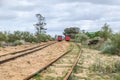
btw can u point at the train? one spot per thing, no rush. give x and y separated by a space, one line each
60 38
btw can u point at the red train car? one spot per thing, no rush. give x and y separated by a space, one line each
67 38
59 38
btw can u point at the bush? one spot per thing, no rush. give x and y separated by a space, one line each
116 42
117 66
3 37
109 49
18 42
112 46
43 38
81 37
116 77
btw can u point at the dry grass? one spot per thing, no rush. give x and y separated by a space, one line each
96 66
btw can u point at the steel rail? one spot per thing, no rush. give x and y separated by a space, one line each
46 66
12 53
24 54
67 76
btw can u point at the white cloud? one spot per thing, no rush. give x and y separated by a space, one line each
89 15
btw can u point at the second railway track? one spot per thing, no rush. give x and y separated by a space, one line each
11 56
60 68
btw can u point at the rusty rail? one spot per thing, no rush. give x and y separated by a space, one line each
67 76
32 75
24 54
21 50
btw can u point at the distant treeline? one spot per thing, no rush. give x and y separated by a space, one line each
20 37
109 42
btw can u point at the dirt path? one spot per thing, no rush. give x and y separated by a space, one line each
24 66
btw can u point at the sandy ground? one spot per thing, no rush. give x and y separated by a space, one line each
90 57
24 66
9 56
10 49
59 69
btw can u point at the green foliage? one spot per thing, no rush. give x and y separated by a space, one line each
76 69
116 42
3 37
117 66
107 47
93 34
37 77
73 77
112 46
81 37
105 32
72 31
12 37
18 42
43 38
40 24
16 37
28 37
116 77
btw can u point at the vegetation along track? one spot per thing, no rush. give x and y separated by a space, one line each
58 68
14 55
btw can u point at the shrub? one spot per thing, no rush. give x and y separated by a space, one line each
112 46
116 42
81 37
117 66
18 42
116 77
3 37
109 49
43 38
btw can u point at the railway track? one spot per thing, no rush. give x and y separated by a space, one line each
12 56
68 75
12 53
60 68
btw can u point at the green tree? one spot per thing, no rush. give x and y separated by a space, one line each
105 32
3 37
18 35
116 42
81 37
12 38
112 45
72 31
40 25
93 34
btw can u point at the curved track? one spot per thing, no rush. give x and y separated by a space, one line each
73 66
15 55
30 77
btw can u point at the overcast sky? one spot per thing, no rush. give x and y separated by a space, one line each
89 15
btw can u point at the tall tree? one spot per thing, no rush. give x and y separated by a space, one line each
72 31
105 32
40 25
